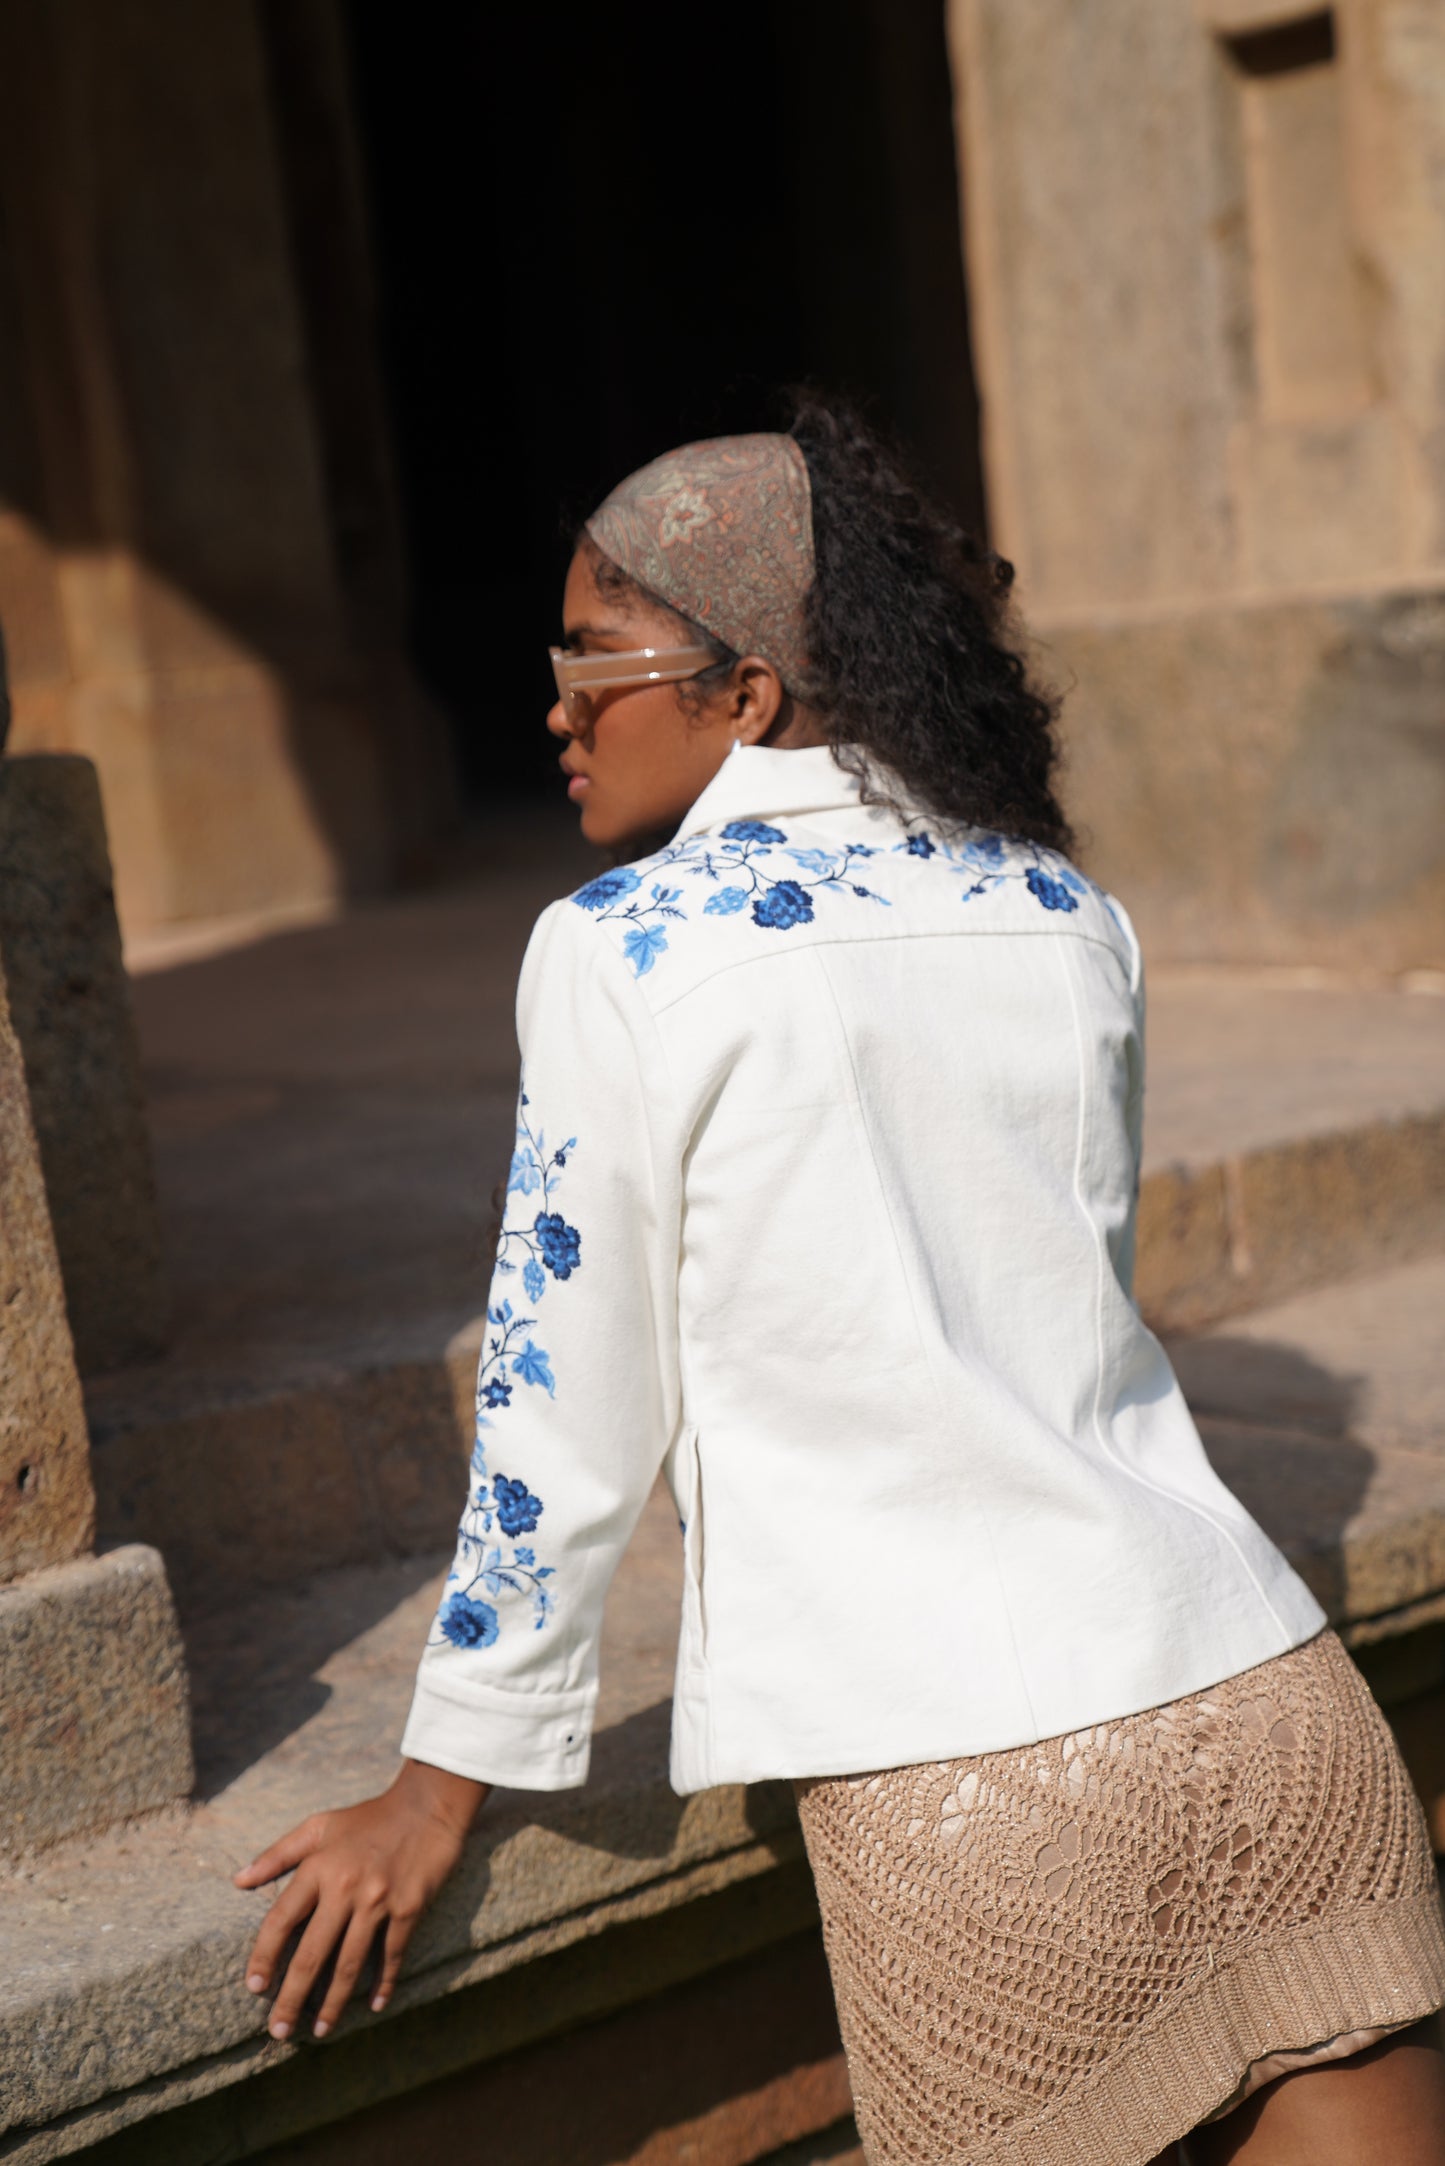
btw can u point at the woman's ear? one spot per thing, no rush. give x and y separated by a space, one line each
757 700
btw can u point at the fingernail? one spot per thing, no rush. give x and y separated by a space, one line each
280 2030
378 2004
256 1983
320 2027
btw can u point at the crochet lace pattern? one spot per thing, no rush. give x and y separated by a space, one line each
1070 1953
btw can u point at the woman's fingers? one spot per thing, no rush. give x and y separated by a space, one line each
328 1922
398 1933
354 1950
279 1923
287 1852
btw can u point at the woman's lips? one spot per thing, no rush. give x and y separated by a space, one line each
578 785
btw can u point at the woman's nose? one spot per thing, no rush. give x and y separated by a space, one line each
557 721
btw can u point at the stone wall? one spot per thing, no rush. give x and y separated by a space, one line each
1265 782
175 601
1204 245
1204 279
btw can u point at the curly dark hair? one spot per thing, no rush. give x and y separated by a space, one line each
914 653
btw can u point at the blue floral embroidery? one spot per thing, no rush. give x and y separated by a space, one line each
642 944
511 1355
467 1623
608 887
1051 893
561 1244
776 904
784 904
986 858
517 1511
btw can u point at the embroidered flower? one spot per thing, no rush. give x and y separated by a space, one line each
983 850
517 1512
782 905
534 1279
561 1244
921 845
467 1623
642 944
496 1392
752 831
735 860
1050 892
608 887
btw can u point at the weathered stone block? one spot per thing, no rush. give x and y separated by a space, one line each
70 1004
47 1509
94 1710
1218 1240
1265 783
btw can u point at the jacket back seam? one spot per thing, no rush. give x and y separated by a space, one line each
858 939
881 1189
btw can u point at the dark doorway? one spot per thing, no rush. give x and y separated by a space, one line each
599 232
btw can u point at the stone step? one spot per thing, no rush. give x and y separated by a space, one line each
1294 1134
121 1994
1326 1413
121 1997
332 1105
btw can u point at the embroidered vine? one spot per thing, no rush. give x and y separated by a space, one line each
499 1504
742 880
989 862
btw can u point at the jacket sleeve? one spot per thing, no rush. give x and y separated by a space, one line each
577 1388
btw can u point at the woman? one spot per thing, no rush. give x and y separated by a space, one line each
823 1199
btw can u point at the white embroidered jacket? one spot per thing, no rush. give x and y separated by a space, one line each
823 1199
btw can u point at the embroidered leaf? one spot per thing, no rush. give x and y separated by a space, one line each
533 1365
642 945
525 1175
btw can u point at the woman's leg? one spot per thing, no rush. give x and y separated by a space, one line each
1383 2107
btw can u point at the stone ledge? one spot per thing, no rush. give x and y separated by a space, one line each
94 1711
92 2040
256 2096
1216 1241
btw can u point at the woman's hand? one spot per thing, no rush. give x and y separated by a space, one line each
373 1865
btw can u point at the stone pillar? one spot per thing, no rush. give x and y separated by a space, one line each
47 1507
169 576
70 1007
94 1721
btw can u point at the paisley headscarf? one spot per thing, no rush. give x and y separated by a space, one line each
723 531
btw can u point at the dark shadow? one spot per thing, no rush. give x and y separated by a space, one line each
253 1667
1256 1380
601 232
1277 1427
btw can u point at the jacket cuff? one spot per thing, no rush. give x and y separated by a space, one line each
527 1741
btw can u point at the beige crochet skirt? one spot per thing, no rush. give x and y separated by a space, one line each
1071 1953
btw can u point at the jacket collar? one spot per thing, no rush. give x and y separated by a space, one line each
762 782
